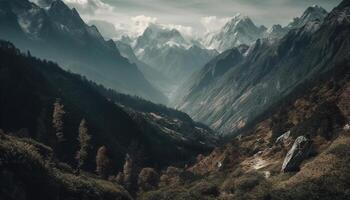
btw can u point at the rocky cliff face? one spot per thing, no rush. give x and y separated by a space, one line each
257 78
57 33
314 13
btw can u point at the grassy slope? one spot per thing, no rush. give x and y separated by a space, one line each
251 166
28 171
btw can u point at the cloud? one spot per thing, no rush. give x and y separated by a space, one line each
213 23
140 23
89 6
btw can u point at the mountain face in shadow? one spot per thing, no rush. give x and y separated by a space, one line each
32 90
57 33
241 83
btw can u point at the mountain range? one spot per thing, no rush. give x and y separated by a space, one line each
30 89
168 52
157 78
314 13
298 147
258 114
242 30
239 30
56 32
241 83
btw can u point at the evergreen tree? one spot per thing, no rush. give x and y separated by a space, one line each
102 162
57 119
128 172
133 162
84 142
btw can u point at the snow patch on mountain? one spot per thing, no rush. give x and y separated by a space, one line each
239 30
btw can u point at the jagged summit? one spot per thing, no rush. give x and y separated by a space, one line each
341 14
156 36
312 13
58 33
239 30
167 51
61 13
242 30
311 18
241 20
268 70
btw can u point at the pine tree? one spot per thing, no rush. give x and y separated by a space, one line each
133 162
102 162
84 142
57 119
128 172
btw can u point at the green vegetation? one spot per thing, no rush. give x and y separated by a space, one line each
84 143
103 163
140 104
28 174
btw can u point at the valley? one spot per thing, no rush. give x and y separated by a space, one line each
144 109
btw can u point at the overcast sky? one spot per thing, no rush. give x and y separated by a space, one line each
192 16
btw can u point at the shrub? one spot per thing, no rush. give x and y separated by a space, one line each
247 182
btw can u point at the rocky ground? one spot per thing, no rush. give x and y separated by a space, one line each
299 150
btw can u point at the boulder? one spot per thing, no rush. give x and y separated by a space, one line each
283 137
347 127
296 154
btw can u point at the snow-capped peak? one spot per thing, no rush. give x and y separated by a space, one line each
239 30
158 36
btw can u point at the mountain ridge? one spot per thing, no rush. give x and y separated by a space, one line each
168 52
76 46
269 71
239 30
31 88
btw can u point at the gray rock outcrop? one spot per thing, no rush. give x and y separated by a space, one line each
296 154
